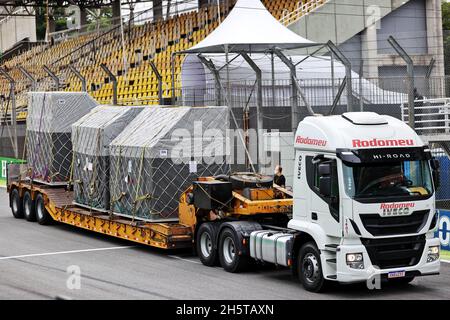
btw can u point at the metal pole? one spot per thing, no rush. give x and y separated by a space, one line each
114 81
159 77
428 75
348 74
273 79
227 60
295 90
333 91
259 105
410 70
172 64
53 76
12 95
361 100
79 76
29 77
211 67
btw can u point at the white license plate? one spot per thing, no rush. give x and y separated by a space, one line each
396 274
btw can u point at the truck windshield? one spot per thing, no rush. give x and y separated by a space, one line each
399 179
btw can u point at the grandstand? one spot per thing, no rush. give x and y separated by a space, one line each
127 52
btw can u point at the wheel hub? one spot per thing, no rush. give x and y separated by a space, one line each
310 267
205 244
229 250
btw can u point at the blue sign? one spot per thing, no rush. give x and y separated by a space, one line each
444 229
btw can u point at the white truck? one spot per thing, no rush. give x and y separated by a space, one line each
364 204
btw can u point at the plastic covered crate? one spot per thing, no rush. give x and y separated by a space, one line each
91 136
48 137
160 154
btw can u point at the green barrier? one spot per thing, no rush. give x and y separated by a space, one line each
3 165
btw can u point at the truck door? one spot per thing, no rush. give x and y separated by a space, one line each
322 176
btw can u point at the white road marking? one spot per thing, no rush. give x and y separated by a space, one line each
63 252
446 261
180 258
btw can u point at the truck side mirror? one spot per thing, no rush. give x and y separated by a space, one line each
325 186
324 171
435 166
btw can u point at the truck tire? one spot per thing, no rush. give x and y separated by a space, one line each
309 267
206 245
29 207
42 216
16 204
229 256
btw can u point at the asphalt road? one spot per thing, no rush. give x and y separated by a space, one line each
35 259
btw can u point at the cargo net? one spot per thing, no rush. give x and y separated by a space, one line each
91 181
91 136
48 136
160 154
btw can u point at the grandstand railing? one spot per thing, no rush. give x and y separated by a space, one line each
302 9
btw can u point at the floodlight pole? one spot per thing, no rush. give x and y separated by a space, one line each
12 96
410 69
211 67
114 81
29 77
259 106
53 76
159 77
80 77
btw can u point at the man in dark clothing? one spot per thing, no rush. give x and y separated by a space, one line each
279 178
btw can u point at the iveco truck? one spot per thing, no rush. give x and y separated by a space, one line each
362 207
364 203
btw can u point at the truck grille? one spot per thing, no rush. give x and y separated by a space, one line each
385 226
395 252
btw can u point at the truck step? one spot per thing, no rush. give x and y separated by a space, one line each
331 260
331 247
333 276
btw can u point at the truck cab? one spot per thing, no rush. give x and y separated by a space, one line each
364 195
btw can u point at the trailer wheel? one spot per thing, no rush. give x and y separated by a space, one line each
309 267
42 216
230 259
29 207
206 246
16 204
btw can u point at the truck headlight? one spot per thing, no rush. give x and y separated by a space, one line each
355 260
433 253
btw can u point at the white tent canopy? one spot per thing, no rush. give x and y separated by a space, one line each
250 27
314 73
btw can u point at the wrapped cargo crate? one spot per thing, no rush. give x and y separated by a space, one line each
91 136
160 154
48 136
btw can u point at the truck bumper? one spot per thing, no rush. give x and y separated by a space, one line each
346 274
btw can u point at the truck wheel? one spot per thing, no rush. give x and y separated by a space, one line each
29 207
42 216
310 268
16 204
229 256
205 245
